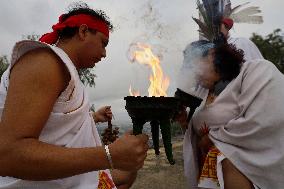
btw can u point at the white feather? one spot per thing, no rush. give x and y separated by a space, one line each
247 15
247 19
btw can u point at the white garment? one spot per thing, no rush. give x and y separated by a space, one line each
251 51
70 123
246 125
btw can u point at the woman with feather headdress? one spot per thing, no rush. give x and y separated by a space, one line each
234 139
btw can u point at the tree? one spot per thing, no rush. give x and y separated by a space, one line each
33 37
87 77
3 64
271 47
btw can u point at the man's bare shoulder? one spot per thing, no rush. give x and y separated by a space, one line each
41 57
42 65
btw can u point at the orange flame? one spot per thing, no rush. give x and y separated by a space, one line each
133 92
158 83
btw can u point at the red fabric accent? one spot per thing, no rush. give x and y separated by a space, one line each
228 22
75 21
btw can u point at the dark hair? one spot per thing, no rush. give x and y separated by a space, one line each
82 8
228 61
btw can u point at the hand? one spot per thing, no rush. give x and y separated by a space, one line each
181 118
123 179
129 152
103 114
205 144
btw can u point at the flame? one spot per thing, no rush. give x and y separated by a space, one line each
158 83
133 92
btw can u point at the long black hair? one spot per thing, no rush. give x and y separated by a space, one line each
228 61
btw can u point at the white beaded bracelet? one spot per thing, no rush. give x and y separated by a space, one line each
108 156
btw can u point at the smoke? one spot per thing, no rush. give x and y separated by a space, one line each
154 31
150 18
196 70
150 22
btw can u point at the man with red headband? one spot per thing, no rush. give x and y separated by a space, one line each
48 136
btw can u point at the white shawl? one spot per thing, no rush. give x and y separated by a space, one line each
251 51
247 126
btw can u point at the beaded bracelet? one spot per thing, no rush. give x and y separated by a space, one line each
109 156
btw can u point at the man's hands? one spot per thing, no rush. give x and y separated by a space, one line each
129 152
103 114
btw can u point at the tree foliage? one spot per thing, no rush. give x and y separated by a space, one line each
271 47
3 64
33 37
87 77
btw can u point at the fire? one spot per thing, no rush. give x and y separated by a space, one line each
158 82
133 92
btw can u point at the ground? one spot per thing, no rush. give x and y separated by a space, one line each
157 173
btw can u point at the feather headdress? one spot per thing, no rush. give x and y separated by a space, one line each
242 14
210 18
212 12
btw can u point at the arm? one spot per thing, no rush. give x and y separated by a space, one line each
35 83
181 118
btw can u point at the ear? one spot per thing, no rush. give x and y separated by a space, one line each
83 32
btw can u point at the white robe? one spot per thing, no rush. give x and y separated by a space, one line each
70 123
247 126
251 51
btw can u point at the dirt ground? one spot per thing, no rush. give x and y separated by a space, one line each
157 173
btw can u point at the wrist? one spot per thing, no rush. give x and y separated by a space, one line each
109 156
100 159
95 117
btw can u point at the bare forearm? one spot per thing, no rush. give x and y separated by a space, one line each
30 159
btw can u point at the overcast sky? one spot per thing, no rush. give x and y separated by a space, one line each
165 24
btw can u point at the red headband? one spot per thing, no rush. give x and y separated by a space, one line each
75 21
228 22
